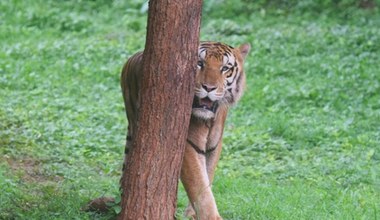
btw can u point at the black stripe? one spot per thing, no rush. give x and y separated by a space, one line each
233 80
237 83
199 151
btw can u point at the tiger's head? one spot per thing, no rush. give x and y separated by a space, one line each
220 78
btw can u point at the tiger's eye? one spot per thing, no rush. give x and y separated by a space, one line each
200 64
225 68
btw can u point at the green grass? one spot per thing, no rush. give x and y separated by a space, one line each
304 143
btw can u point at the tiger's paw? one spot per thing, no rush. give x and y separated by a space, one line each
190 213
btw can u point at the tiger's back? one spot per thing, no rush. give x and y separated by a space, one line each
130 81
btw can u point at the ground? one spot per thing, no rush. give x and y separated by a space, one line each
306 131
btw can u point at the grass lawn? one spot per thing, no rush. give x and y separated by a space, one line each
304 143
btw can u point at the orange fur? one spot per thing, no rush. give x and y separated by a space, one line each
217 88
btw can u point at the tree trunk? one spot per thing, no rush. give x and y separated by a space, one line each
166 94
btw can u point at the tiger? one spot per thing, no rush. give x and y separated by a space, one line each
219 84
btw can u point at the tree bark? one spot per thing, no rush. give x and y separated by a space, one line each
166 94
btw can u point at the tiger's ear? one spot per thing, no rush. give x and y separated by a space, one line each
244 49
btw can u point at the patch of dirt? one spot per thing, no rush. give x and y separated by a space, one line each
30 170
100 205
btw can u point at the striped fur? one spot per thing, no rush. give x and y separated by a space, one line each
219 83
219 66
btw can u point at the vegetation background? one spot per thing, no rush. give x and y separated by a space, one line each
304 143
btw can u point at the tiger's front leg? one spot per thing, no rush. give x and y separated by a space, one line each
195 179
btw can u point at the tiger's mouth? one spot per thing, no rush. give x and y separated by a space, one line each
205 104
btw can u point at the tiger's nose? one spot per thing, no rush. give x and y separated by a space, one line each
208 88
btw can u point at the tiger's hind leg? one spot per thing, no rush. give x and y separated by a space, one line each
126 151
